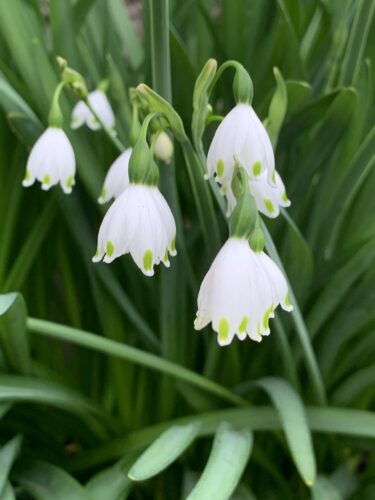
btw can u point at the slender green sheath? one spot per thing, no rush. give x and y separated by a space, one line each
169 307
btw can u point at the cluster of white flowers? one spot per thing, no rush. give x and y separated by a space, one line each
243 286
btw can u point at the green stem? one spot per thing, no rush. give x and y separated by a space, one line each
160 54
170 305
113 138
303 334
132 354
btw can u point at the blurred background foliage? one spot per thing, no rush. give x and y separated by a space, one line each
77 410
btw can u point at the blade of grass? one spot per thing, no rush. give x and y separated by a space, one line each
132 354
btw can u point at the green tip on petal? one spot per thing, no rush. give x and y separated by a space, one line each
287 301
285 197
166 255
274 177
269 205
70 182
173 244
103 194
110 248
243 325
223 329
46 179
258 330
220 168
257 167
266 317
27 175
147 260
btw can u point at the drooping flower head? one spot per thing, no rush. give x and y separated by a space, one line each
240 293
243 286
139 221
268 198
117 178
51 161
81 114
241 138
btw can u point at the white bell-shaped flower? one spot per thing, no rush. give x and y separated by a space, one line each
117 178
240 293
163 148
268 198
81 114
240 138
51 161
141 223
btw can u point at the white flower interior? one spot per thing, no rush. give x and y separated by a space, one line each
141 223
240 136
240 293
51 161
117 178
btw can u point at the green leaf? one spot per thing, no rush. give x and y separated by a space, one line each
360 30
324 489
125 29
163 451
13 336
339 285
8 454
45 481
299 93
30 248
11 101
278 107
263 418
17 389
295 425
228 458
354 385
8 493
111 483
132 354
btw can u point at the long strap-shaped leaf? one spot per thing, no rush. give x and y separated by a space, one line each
8 454
228 458
45 481
294 421
164 451
262 418
132 354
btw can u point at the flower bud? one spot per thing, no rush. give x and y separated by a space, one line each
159 105
73 79
200 99
163 147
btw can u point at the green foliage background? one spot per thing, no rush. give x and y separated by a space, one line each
77 409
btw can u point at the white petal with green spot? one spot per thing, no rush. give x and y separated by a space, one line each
141 223
240 293
51 161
